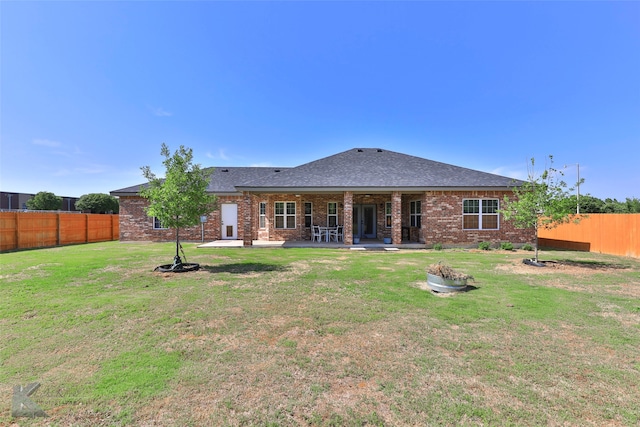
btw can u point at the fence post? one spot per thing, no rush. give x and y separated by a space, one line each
86 228
58 229
17 230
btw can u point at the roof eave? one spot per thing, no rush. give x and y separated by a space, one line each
137 193
364 190
123 193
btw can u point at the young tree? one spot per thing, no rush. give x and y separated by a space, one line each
45 201
180 198
98 203
540 202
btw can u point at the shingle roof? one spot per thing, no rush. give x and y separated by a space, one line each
358 169
223 179
374 168
227 179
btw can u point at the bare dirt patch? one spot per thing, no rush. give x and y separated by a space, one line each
580 271
569 267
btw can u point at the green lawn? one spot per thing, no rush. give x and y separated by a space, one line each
318 337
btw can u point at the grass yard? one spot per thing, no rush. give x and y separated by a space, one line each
318 337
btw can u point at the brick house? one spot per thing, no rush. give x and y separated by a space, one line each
374 193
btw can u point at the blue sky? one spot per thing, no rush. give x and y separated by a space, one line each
90 90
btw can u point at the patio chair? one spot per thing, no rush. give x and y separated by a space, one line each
316 236
335 234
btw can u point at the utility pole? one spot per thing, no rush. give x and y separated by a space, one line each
577 190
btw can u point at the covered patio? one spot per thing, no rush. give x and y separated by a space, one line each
356 217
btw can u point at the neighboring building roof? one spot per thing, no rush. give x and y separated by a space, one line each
358 169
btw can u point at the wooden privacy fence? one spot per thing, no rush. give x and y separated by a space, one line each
22 230
614 234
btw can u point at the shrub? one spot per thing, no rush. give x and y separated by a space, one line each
485 246
437 247
507 246
44 201
527 247
97 203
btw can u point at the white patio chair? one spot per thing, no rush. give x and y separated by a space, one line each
335 233
316 234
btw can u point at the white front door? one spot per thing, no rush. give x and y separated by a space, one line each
229 221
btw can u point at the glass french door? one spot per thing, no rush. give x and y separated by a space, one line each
364 221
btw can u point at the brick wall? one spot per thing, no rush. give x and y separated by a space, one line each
441 218
135 225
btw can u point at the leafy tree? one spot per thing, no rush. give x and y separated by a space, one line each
45 201
540 202
98 203
588 203
613 206
181 198
633 205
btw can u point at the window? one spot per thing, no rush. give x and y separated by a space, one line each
387 214
263 214
285 214
480 214
157 225
308 214
332 214
415 214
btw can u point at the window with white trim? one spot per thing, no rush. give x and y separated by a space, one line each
285 214
308 214
415 213
480 214
332 214
157 225
263 214
387 214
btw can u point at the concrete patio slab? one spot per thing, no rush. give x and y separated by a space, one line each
370 245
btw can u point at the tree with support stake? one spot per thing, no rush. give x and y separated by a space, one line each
540 202
179 199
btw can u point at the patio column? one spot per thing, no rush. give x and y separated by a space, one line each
247 219
422 237
347 231
396 217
